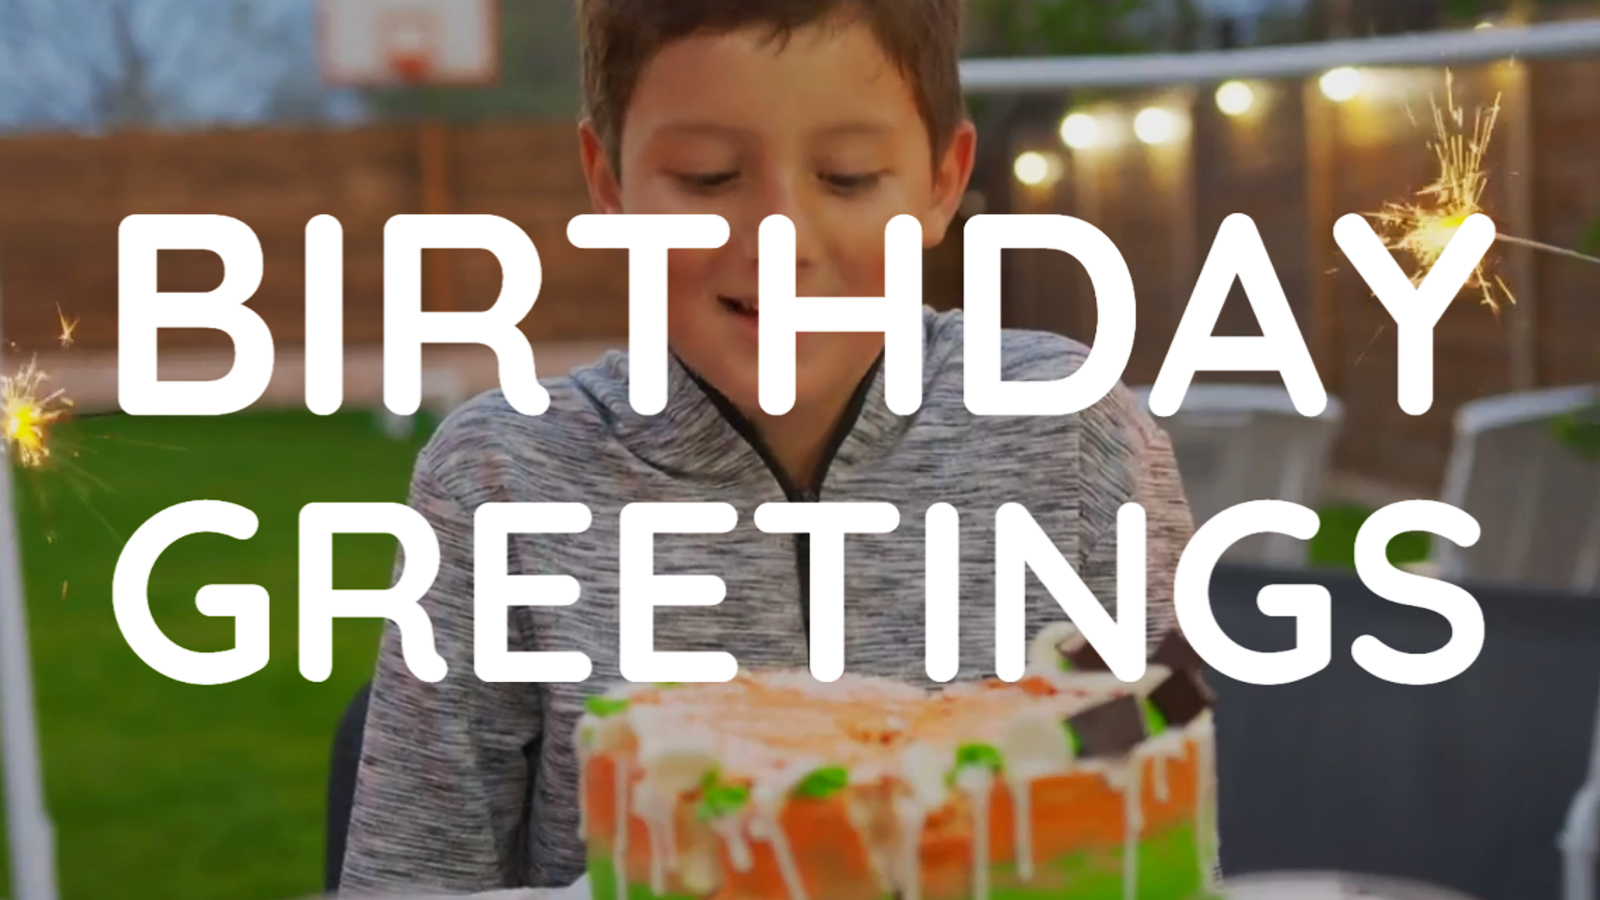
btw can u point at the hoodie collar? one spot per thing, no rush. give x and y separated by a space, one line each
699 436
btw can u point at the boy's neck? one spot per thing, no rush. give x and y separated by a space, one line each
800 440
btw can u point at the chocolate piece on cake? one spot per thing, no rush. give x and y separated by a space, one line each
1175 653
1111 729
1182 697
1079 654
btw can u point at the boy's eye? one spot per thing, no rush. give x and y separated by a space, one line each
705 181
854 182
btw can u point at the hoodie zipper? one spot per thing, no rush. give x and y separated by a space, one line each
791 492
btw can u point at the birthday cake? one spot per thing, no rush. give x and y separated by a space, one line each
1067 784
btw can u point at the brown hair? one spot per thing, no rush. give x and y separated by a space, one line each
620 37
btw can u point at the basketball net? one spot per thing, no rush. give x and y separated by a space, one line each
409 47
411 68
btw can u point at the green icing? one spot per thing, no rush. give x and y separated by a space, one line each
1154 722
603 884
1169 869
823 783
718 799
984 755
1072 738
605 707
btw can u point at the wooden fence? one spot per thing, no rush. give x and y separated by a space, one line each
1294 167
62 199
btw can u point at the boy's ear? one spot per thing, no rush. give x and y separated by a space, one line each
950 181
605 191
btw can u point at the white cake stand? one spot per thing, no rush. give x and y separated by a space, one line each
1581 837
1267 886
1332 886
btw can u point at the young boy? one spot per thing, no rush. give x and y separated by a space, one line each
840 115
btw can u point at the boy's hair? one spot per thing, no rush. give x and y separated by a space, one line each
620 37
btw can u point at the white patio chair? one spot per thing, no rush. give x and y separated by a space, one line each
1536 498
1538 504
1241 442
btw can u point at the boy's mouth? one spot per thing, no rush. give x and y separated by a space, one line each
745 308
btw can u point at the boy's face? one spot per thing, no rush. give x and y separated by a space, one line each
823 130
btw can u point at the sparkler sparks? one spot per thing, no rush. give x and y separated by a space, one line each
67 328
26 414
1424 229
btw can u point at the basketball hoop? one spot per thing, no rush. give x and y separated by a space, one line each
410 42
372 43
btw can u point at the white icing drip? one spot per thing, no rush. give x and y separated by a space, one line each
924 773
1022 806
731 831
768 828
701 870
619 852
1205 797
583 790
658 810
1172 745
1133 823
658 875
912 818
671 837
861 823
1034 746
1044 654
978 782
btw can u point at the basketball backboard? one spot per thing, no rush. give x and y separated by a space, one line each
391 42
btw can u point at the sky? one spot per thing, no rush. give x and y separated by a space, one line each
203 62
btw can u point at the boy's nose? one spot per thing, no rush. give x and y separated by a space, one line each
782 198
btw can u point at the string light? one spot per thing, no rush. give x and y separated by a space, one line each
1341 84
1235 98
1080 131
1033 169
1154 125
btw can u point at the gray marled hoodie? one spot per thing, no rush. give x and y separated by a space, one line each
467 786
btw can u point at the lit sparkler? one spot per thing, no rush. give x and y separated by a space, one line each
26 414
67 328
1424 229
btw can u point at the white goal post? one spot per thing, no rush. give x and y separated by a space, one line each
32 838
1044 74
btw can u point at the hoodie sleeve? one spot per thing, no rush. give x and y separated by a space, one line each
1128 459
444 776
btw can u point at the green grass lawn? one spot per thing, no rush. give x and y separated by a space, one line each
1335 543
164 790
161 789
